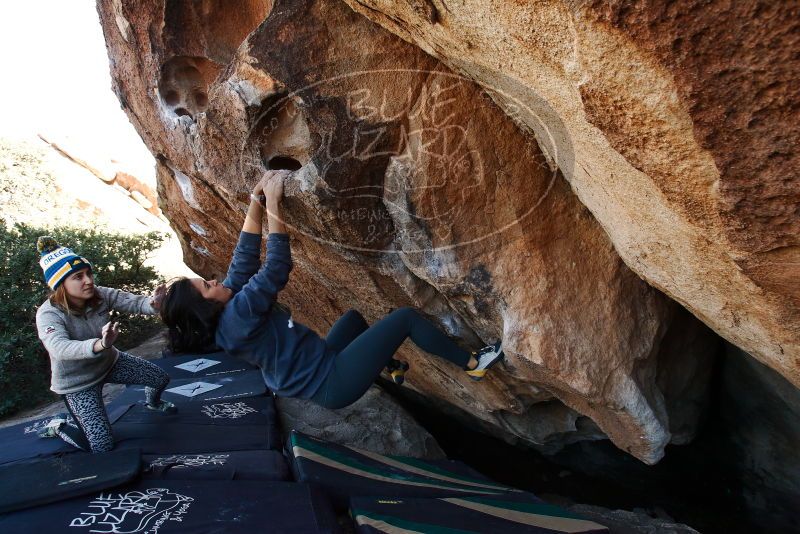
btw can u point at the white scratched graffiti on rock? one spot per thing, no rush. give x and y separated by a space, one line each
400 138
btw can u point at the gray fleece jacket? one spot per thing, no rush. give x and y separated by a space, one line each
70 337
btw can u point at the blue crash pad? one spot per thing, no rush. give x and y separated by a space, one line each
22 442
134 425
182 506
201 389
231 465
196 365
196 428
345 472
53 479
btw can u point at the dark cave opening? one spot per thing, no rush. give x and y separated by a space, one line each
696 484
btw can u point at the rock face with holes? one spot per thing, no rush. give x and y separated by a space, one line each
412 186
184 82
375 423
675 122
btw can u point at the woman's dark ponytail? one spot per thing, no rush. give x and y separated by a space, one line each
191 318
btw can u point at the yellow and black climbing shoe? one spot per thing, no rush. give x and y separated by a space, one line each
397 370
487 357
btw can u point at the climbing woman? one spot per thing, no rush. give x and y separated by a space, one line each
241 315
74 325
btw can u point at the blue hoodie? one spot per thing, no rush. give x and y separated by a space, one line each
293 359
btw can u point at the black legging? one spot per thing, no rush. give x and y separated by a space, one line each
363 351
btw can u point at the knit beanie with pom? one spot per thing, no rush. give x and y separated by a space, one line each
58 262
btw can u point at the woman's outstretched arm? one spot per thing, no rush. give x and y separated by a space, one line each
248 307
246 260
273 189
271 185
255 213
130 303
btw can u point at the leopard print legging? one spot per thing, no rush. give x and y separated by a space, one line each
93 430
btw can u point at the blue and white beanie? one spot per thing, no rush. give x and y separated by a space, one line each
58 262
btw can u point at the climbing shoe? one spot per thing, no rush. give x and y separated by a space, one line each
397 370
487 357
163 406
51 430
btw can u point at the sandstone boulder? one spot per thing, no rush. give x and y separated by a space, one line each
412 186
374 423
675 123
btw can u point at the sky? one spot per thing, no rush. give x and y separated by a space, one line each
56 81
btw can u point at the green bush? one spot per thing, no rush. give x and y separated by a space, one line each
117 261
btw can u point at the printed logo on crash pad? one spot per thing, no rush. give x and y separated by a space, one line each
190 460
133 512
227 410
197 365
194 389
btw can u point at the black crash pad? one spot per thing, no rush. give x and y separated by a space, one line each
231 465
196 428
182 506
53 479
201 389
512 513
22 443
345 472
228 412
196 365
